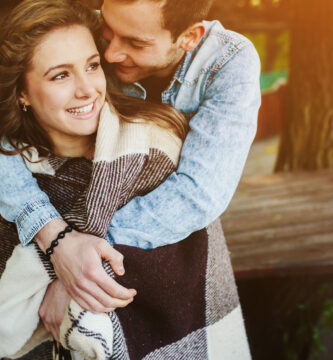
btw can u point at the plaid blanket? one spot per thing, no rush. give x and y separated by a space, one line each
187 305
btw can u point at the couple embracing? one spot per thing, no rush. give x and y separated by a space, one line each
129 156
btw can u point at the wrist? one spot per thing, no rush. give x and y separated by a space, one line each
58 286
49 232
55 242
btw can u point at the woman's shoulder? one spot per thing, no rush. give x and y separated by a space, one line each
117 137
165 141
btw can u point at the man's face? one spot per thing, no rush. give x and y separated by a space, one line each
139 47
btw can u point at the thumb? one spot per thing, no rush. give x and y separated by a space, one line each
114 257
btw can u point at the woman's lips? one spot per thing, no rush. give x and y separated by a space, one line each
83 112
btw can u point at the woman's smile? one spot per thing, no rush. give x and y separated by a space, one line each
66 89
83 112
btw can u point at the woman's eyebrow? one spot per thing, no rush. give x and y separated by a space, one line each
68 65
57 67
92 57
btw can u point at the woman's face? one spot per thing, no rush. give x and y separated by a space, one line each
65 86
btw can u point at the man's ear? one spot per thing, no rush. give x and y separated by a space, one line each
191 37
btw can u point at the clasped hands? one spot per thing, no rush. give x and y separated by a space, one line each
80 276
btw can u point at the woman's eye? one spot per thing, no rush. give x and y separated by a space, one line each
94 66
60 76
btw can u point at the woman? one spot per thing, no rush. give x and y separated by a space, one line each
53 113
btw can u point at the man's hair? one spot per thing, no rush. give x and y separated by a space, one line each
178 15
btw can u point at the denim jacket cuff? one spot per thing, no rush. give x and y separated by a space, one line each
33 218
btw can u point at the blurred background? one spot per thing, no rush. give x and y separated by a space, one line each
279 225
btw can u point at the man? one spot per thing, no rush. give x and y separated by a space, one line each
158 50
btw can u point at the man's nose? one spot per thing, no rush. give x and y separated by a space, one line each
115 53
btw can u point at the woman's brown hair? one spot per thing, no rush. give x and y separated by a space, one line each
20 33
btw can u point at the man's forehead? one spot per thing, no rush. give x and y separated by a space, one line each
132 37
140 19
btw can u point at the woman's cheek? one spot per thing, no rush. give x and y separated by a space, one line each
101 83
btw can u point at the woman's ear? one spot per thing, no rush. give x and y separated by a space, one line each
23 99
191 37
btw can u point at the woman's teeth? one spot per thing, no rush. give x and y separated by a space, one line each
82 110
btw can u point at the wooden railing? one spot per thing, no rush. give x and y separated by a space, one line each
281 224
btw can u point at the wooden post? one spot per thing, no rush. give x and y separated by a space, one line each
307 135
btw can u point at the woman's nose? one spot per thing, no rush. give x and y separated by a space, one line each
84 87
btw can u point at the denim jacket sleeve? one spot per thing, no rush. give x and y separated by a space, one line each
21 200
211 163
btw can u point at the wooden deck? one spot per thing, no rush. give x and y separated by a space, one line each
281 224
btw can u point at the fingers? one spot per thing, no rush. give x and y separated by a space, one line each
118 296
75 295
95 273
84 277
87 301
114 257
55 331
112 288
51 324
90 296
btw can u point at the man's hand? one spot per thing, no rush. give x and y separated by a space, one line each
77 263
53 308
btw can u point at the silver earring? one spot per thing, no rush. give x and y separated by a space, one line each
24 108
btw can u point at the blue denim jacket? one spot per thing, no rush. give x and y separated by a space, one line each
217 87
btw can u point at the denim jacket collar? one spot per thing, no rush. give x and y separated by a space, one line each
198 67
136 89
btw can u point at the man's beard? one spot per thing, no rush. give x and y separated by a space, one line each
172 60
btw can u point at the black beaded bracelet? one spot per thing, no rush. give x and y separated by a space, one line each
55 242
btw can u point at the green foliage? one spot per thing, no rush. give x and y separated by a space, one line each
278 42
273 49
313 319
